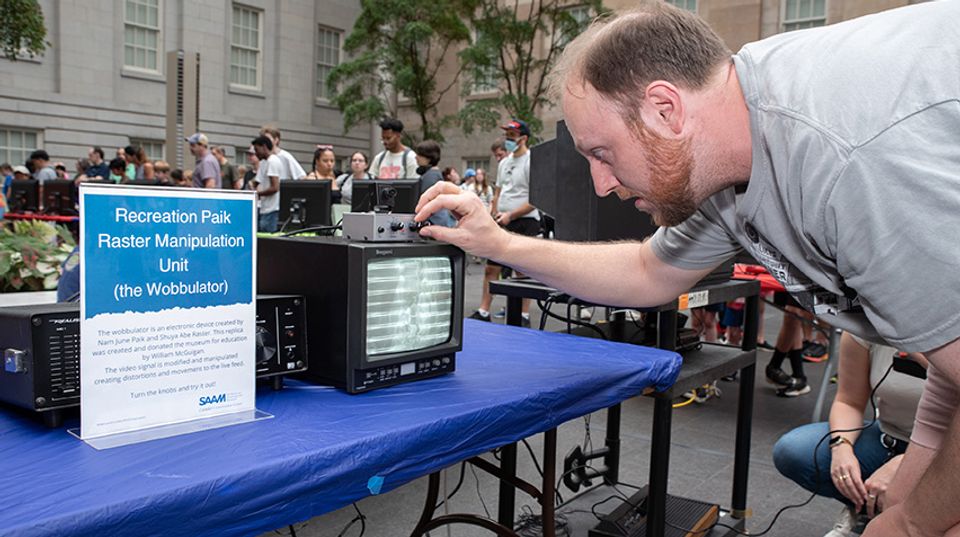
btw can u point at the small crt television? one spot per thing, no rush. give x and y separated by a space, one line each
378 314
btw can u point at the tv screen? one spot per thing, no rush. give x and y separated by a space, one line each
59 197
386 195
409 304
378 314
24 195
304 204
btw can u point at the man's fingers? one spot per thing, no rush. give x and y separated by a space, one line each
442 187
456 203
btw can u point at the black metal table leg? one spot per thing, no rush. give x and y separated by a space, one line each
741 460
429 505
514 310
547 500
508 466
611 461
659 466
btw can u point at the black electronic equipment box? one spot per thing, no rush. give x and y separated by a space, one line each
378 314
630 518
41 351
41 358
281 337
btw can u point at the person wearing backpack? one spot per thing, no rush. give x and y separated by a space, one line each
396 161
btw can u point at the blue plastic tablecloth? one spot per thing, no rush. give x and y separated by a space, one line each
324 448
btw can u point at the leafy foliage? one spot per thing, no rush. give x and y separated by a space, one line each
21 29
31 253
399 47
519 45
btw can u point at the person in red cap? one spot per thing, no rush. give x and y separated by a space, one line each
513 210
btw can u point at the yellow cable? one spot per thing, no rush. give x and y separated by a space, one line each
685 403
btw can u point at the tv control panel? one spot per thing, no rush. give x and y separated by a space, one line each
387 375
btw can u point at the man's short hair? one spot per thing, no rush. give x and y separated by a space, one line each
6 166
620 56
271 130
497 145
39 154
391 124
430 150
98 150
264 141
118 164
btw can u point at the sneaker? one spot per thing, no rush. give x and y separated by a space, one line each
778 377
731 377
586 314
815 352
844 525
500 314
797 388
480 317
525 322
765 345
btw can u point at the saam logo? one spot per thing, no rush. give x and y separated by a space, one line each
213 399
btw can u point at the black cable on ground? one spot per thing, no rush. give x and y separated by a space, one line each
359 518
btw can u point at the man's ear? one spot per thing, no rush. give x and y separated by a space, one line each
662 108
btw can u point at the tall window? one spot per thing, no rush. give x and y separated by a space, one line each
141 34
485 77
800 14
16 145
689 5
582 16
477 163
152 148
328 57
245 47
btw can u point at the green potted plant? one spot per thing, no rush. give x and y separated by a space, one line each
31 253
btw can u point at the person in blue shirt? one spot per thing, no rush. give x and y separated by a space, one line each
6 171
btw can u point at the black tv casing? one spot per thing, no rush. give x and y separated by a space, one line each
27 190
366 193
331 273
317 193
56 194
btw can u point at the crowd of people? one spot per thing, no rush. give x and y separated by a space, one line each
265 164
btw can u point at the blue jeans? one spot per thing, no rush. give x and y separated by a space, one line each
793 457
267 222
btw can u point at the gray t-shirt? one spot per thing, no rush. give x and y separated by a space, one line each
513 176
207 168
855 184
45 174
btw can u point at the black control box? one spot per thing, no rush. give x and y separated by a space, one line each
41 358
41 351
281 336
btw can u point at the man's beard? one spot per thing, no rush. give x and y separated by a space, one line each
671 164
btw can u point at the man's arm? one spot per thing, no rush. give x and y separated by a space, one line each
928 493
273 188
618 273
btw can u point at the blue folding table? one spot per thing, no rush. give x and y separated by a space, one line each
324 449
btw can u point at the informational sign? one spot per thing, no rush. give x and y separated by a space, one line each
696 299
167 307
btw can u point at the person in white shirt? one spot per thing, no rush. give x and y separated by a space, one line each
289 167
396 161
268 184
